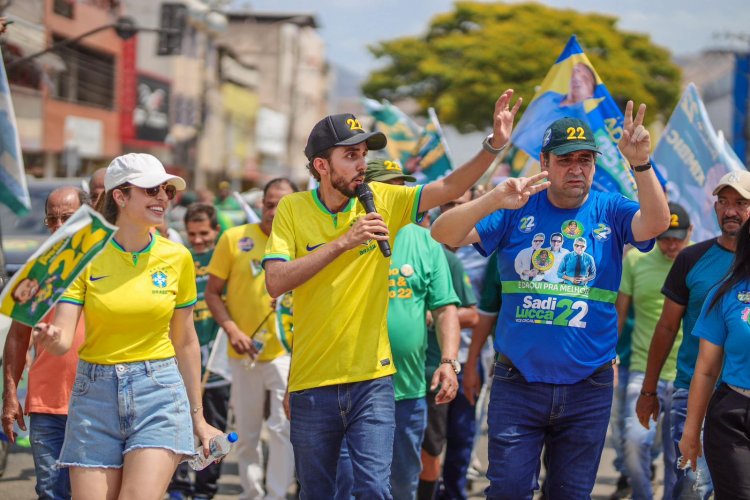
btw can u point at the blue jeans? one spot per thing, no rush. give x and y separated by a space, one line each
639 440
47 433
411 420
688 486
570 420
362 414
461 430
617 419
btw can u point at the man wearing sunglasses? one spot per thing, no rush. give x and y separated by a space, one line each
50 377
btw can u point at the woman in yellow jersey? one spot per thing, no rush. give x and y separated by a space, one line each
136 399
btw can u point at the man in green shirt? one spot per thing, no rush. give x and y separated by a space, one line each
419 281
643 276
202 229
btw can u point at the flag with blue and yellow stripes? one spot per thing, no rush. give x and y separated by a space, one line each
572 88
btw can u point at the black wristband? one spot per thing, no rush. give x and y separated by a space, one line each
648 394
642 168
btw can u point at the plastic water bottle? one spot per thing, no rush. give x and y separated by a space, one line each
219 447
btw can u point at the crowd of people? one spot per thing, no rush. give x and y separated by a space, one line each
381 391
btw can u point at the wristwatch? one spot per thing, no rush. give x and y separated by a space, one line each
642 168
454 364
487 146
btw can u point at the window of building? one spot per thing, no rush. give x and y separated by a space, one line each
89 77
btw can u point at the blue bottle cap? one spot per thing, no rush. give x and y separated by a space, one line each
232 437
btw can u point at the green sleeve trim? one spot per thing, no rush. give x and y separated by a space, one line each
443 303
186 304
68 300
560 289
274 256
417 217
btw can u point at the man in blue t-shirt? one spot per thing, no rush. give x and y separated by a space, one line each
695 271
555 341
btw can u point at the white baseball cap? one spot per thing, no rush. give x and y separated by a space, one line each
139 169
738 180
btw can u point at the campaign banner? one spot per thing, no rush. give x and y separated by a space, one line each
13 190
693 157
401 131
431 152
285 321
40 283
572 88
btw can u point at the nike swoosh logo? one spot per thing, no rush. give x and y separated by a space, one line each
98 277
311 248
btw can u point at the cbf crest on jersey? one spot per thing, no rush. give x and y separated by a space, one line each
159 279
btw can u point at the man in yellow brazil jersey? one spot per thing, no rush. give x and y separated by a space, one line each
324 247
257 359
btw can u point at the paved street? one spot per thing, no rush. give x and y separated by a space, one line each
18 481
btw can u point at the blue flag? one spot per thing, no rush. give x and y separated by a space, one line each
694 157
572 88
13 190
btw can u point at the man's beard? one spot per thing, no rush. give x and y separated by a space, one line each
342 185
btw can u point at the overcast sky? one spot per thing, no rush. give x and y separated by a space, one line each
348 26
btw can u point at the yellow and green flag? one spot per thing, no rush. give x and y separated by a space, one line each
40 283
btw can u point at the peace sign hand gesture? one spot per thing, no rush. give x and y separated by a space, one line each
513 193
635 143
503 118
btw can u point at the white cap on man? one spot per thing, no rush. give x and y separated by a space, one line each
139 169
739 180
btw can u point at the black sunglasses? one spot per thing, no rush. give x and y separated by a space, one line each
152 192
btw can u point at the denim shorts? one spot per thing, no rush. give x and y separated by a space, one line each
115 409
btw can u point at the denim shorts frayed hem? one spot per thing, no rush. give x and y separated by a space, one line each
185 457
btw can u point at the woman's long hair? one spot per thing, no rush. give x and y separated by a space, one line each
107 206
740 269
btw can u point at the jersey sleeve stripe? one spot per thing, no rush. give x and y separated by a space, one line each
186 304
274 256
68 300
417 217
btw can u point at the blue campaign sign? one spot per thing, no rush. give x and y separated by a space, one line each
694 157
572 88
13 190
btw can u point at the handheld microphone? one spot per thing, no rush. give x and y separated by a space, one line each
364 195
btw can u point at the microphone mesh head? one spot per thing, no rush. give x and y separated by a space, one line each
363 191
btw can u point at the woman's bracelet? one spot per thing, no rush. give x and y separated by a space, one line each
648 394
196 409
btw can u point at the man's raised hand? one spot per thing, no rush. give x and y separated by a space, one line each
635 143
502 125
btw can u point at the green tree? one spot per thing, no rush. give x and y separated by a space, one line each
469 56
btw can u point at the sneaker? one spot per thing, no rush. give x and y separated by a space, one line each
623 488
23 441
